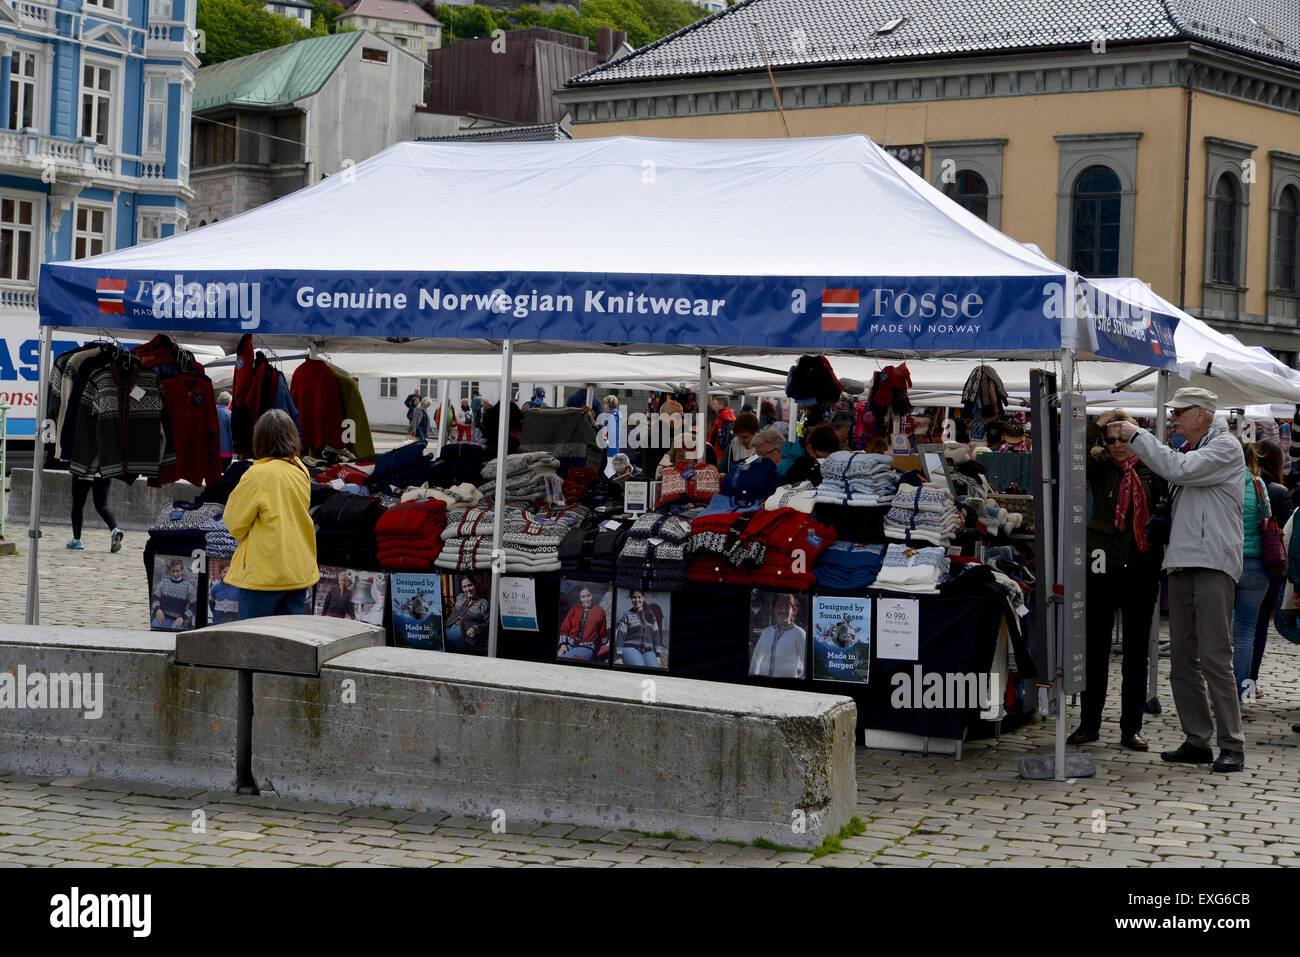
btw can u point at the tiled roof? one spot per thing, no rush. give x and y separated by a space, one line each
810 33
389 10
538 133
272 77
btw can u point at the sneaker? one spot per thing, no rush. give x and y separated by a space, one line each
76 543
117 540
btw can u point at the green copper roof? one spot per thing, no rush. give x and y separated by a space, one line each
272 77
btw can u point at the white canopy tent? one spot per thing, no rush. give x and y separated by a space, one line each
783 246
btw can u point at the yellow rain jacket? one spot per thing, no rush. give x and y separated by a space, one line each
267 515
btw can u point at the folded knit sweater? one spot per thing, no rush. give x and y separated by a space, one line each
846 467
801 497
522 462
849 565
917 570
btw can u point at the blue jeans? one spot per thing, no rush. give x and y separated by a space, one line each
261 604
640 659
1275 590
580 652
1251 588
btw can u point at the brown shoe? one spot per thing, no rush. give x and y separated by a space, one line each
1134 742
1082 737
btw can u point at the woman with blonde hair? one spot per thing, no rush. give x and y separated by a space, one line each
275 563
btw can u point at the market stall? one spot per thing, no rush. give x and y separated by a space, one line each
736 246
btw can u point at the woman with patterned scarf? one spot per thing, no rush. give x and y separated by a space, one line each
1123 576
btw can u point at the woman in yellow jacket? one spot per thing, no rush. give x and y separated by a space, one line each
275 564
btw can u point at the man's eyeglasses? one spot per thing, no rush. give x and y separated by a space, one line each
1114 440
1183 411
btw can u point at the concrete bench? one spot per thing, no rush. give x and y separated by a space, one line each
286 644
131 712
536 742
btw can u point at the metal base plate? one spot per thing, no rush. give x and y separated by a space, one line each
1042 767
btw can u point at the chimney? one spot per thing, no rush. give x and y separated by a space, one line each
604 44
620 37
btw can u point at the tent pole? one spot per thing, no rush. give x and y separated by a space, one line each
499 500
1153 648
38 462
703 406
440 433
1063 557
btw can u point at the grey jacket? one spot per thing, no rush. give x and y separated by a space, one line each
1207 527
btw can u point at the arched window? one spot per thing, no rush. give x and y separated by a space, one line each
1224 266
1288 239
971 192
1094 224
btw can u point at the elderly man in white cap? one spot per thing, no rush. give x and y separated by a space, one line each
1204 561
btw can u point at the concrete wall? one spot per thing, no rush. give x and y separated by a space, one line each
160 722
445 732
135 506
544 742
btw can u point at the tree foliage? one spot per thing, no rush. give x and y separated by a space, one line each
644 20
235 28
326 12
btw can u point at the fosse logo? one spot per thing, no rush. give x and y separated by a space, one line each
198 300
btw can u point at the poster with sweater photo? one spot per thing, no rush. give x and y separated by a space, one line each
841 638
353 594
417 611
642 629
174 595
586 609
223 599
778 634
467 609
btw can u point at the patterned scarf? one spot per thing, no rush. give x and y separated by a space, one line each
1130 490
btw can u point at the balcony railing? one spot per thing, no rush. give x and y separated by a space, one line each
161 36
46 18
19 297
37 151
33 153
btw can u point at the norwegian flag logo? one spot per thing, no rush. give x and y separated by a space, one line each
111 294
1155 337
840 310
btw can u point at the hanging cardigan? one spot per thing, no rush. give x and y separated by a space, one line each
315 390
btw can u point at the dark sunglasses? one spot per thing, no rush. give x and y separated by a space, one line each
1114 440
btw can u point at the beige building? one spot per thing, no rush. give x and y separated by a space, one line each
1122 137
402 24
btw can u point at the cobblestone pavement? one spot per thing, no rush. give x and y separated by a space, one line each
919 811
